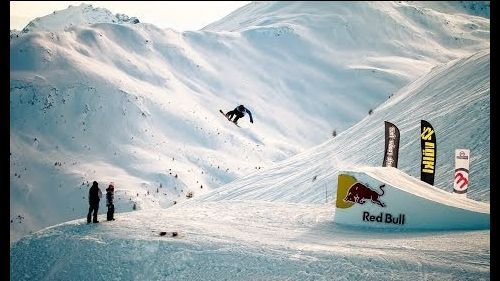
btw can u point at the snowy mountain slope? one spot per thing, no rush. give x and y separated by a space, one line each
454 98
76 16
477 8
137 105
276 223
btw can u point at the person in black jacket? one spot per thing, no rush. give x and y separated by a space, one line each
109 202
94 196
239 111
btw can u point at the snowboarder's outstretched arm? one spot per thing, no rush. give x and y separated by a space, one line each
249 114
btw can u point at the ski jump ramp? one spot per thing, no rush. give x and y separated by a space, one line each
386 197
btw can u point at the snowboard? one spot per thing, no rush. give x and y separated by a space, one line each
171 234
222 112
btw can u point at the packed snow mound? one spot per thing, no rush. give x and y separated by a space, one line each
414 186
76 16
245 240
246 236
385 197
453 97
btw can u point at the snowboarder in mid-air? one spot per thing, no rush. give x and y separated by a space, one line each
239 112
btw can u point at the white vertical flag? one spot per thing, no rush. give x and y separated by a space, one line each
461 182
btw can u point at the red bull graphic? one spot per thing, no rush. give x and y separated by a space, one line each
344 182
461 182
351 198
359 193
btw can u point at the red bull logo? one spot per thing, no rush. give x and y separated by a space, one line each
359 193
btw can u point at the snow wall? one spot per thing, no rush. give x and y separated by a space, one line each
385 197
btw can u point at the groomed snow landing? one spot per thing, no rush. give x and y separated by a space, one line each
385 197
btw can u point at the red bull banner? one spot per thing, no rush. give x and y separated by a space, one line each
391 145
428 147
461 182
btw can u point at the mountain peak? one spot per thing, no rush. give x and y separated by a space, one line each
74 16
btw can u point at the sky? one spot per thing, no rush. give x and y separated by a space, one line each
138 106
178 15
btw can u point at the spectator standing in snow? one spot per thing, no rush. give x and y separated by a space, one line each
94 197
109 202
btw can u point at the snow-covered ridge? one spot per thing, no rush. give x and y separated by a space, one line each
337 14
14 33
76 16
477 8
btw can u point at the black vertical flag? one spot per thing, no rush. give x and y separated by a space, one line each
428 147
391 145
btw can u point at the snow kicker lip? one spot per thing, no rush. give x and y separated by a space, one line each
408 203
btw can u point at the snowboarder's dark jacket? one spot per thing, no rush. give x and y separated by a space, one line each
242 110
94 194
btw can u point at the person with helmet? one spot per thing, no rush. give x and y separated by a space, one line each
94 197
109 202
239 112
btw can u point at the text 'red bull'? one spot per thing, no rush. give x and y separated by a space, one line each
384 218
